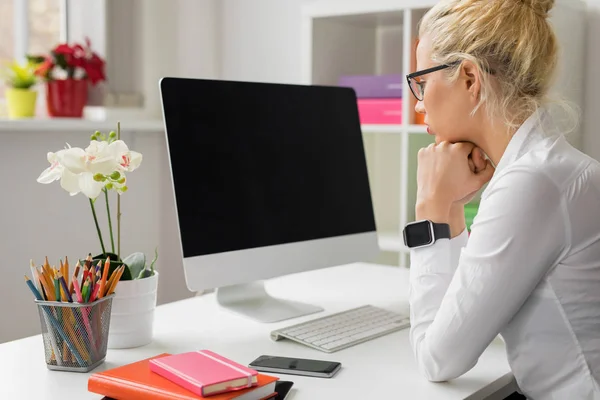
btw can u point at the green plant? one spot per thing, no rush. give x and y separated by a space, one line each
137 265
93 171
20 76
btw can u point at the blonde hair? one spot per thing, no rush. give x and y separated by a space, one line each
510 41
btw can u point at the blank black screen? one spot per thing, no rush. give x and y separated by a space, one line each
259 164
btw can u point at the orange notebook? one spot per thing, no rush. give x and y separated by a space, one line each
137 382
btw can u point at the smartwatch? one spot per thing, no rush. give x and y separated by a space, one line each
424 233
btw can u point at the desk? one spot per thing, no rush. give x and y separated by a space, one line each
379 367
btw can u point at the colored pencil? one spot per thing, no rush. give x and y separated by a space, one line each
57 290
75 276
118 273
86 319
47 289
65 289
88 261
104 277
39 297
94 295
32 268
85 288
66 273
88 292
33 289
112 277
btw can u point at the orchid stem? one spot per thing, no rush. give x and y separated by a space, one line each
119 205
112 240
97 226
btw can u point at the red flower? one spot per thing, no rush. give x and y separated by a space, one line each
44 68
94 69
63 49
74 57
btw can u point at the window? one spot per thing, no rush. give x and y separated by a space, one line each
44 19
29 26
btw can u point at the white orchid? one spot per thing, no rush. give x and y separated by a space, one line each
98 168
56 171
128 161
102 165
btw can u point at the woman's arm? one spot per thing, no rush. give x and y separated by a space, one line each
519 232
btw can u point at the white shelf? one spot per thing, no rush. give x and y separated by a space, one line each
78 124
390 129
391 242
337 8
417 129
393 129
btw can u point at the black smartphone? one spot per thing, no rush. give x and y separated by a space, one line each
296 366
283 389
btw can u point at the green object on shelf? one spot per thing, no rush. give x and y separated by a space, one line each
470 213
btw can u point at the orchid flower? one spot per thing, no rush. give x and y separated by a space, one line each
127 160
87 164
68 180
98 168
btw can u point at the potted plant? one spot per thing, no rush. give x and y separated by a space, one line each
95 171
67 71
20 96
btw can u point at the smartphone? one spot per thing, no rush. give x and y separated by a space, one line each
283 389
296 366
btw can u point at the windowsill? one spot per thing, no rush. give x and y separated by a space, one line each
93 120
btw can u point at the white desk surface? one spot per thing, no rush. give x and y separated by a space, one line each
382 368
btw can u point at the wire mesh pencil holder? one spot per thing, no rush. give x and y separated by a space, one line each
75 334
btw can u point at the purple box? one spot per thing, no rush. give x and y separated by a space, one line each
374 86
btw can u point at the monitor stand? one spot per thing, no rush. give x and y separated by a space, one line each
252 300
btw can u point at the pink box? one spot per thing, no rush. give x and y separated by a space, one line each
380 111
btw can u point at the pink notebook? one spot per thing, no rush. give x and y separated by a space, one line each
204 372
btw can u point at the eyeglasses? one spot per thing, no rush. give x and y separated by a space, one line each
417 87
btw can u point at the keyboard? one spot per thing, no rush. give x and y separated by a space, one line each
344 329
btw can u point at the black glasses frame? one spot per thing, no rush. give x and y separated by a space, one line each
410 77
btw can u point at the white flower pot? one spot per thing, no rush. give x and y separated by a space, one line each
132 314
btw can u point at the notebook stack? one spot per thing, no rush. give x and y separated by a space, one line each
186 376
379 97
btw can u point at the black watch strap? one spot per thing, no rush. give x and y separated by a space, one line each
441 231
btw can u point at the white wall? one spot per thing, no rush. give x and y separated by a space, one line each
261 40
180 38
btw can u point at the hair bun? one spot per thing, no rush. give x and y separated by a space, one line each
541 7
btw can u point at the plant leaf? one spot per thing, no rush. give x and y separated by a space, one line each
114 264
145 273
136 263
153 261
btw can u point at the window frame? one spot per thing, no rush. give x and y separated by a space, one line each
21 26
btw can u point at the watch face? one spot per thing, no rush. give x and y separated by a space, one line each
418 234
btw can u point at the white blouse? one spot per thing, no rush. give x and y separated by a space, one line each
530 271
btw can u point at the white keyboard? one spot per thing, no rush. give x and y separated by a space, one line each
344 329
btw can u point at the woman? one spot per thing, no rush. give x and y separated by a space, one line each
530 269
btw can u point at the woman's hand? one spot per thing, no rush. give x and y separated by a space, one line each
448 176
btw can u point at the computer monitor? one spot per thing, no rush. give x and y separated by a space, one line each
269 180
